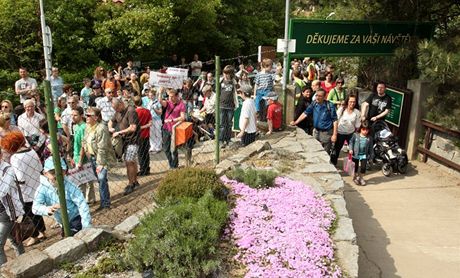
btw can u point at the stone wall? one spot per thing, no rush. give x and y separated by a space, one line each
444 145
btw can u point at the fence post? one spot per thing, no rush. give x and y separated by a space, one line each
217 126
56 157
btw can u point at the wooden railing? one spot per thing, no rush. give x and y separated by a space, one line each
425 150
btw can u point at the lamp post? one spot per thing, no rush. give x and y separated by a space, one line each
286 59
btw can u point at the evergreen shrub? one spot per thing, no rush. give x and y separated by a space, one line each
190 182
254 178
180 240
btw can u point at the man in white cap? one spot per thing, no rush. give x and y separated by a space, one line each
46 201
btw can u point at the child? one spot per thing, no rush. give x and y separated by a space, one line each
263 83
46 201
274 113
361 147
85 92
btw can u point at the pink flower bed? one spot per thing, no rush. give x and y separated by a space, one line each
282 231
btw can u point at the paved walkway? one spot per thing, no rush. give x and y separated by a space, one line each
407 225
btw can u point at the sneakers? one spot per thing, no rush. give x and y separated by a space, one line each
362 182
356 180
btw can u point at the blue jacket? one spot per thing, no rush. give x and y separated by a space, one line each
324 115
47 195
354 145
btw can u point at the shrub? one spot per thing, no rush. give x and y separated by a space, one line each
189 182
253 178
180 240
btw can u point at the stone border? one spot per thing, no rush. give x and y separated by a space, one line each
315 171
36 263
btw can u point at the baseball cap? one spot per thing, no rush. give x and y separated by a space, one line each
246 90
49 164
271 95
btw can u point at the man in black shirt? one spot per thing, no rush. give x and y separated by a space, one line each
376 106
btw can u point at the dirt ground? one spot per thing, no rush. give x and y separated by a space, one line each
407 225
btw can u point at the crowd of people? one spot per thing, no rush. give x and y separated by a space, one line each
119 115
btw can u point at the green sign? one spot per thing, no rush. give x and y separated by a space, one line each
353 38
397 100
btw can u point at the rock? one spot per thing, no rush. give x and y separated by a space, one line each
34 263
128 225
344 231
308 180
294 148
334 186
330 177
320 156
285 143
223 166
319 168
66 250
238 158
311 145
92 237
340 205
256 147
302 135
347 253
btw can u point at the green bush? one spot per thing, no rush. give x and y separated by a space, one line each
180 240
253 178
189 182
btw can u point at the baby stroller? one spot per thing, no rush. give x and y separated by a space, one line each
387 150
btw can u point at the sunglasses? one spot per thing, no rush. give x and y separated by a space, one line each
339 82
89 115
7 119
5 106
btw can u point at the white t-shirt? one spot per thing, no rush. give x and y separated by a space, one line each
27 167
28 83
348 122
248 110
197 65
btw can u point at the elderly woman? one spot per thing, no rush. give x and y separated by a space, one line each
10 202
27 167
97 146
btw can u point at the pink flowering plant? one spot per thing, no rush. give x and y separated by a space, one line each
282 231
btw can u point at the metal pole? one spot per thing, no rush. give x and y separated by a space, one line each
46 47
217 127
53 128
286 60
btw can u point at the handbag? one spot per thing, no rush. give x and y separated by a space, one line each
349 166
23 227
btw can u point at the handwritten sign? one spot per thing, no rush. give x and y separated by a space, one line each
178 71
83 175
166 80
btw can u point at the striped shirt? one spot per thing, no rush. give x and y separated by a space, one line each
265 80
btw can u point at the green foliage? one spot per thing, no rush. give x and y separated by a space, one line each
253 178
441 67
180 240
70 267
189 182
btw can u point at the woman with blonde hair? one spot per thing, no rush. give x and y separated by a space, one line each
7 107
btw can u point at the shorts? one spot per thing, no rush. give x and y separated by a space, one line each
131 153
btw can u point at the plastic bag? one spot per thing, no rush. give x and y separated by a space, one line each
349 166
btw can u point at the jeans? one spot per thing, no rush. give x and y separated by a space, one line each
172 156
248 138
144 157
5 228
104 192
341 138
226 120
75 226
260 93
